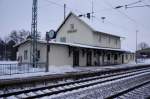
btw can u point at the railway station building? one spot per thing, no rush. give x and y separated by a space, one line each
77 44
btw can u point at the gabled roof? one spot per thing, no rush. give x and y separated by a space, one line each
72 14
83 22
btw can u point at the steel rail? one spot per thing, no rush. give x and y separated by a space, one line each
71 83
127 90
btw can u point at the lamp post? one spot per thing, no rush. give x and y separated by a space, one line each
47 52
49 35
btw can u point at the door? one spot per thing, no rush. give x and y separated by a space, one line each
75 58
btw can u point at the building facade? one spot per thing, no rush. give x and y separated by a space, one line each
78 44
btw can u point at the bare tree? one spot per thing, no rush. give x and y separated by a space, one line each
142 45
19 36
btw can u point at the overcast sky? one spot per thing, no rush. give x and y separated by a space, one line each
17 15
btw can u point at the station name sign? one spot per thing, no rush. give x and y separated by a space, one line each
72 29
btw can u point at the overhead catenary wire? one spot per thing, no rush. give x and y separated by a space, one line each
129 18
114 25
61 5
112 8
145 4
134 3
139 6
108 22
137 24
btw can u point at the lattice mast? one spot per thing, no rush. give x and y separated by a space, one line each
34 33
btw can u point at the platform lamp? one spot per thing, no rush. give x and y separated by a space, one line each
49 36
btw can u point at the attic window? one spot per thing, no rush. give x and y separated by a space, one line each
72 26
72 29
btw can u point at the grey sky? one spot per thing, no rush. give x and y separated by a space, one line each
16 15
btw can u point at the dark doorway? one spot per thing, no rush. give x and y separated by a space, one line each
75 58
89 58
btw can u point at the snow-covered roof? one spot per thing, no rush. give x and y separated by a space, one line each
85 46
74 45
92 25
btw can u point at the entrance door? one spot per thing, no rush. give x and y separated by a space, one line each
75 58
89 58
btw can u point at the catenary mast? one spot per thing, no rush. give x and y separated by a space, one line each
34 33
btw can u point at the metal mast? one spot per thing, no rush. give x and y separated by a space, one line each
34 33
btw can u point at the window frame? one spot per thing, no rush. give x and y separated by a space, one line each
25 54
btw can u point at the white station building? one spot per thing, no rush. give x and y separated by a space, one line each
77 44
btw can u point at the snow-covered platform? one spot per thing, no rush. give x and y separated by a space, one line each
65 70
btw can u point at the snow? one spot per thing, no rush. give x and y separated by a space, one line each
12 67
83 45
61 69
146 61
56 69
8 62
52 70
104 89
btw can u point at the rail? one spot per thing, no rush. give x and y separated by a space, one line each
55 89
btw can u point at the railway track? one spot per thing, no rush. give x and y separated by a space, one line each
48 91
29 83
135 91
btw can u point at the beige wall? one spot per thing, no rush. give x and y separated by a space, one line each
83 34
59 55
27 46
21 50
82 59
103 40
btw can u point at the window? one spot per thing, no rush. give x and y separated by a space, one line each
38 54
100 38
63 39
72 26
109 39
116 41
25 55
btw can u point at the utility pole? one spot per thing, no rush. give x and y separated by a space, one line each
136 47
64 11
34 33
92 10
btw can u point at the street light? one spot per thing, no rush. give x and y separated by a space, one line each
49 35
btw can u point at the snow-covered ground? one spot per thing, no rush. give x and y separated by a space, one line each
52 70
30 71
145 61
12 67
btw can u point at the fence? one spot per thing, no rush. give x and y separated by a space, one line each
16 68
